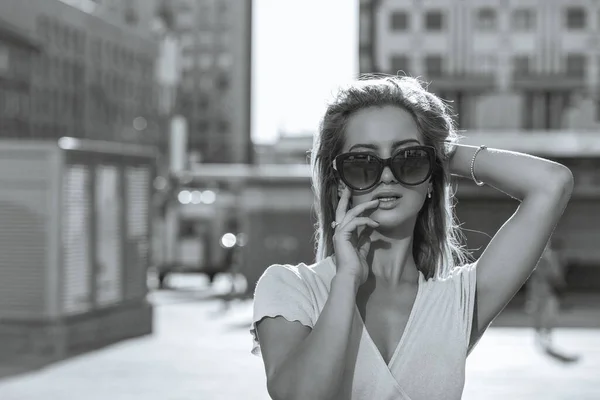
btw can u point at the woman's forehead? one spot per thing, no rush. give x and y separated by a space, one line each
381 126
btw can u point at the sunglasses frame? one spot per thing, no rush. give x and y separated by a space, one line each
387 162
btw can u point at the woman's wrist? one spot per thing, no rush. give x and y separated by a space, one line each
346 280
460 163
450 150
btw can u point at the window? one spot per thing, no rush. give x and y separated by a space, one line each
225 60
203 102
434 66
80 43
65 34
205 82
184 7
131 16
434 20
523 20
225 39
576 65
187 61
521 65
222 82
575 18
399 63
202 126
115 56
223 13
486 63
4 59
187 82
399 21
42 28
187 40
365 26
223 126
67 38
185 20
205 61
365 63
97 50
205 38
486 19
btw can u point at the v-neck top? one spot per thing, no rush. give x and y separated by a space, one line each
429 360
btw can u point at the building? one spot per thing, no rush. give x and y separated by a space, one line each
139 16
524 64
288 149
94 75
214 96
17 50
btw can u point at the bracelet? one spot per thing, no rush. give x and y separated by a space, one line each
478 183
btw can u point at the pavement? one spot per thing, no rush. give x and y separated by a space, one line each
200 350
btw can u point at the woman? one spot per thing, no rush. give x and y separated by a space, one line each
543 289
392 306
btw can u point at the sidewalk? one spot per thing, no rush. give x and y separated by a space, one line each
198 351
194 353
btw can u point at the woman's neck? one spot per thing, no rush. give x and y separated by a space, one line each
392 263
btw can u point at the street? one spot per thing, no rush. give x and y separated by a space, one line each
199 350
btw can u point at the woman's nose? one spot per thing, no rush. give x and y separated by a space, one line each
387 176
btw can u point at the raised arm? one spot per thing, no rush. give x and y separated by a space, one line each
301 364
544 188
304 364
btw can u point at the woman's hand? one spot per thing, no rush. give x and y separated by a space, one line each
350 247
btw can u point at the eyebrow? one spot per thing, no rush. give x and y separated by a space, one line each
394 145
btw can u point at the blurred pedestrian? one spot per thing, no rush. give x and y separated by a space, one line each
545 288
394 304
232 263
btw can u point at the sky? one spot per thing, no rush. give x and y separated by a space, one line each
302 50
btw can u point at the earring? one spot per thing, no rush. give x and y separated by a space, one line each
429 194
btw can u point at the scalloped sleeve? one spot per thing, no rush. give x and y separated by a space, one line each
281 291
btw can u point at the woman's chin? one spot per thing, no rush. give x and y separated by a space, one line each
390 219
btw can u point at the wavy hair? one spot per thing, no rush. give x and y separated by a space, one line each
437 240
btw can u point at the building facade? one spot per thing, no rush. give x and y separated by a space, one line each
94 74
214 95
17 51
505 64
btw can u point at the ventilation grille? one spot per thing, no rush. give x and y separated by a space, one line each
23 250
77 270
137 239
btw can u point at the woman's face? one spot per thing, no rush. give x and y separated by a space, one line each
383 131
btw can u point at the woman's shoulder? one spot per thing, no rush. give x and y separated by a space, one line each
298 274
453 281
454 273
461 270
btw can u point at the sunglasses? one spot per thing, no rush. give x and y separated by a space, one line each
411 166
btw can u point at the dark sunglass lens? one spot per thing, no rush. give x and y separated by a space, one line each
360 171
411 165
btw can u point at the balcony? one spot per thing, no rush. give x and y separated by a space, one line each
552 81
463 82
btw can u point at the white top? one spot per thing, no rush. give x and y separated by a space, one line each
429 362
